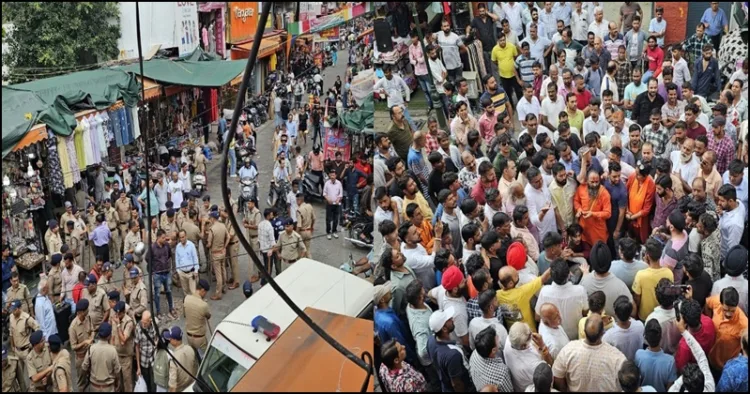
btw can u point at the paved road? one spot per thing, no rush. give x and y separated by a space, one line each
333 252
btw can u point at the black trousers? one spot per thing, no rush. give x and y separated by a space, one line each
269 263
510 85
332 218
148 377
102 251
715 41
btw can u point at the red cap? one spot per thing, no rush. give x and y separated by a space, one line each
516 255
452 277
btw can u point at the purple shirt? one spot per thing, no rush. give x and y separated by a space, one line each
663 91
662 211
101 235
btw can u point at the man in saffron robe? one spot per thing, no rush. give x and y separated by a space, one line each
641 190
593 207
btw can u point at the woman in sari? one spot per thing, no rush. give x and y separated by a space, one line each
641 190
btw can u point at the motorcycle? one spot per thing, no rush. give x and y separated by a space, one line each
361 266
277 195
245 148
248 192
356 223
311 187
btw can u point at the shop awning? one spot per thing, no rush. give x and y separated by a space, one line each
268 46
37 134
194 73
151 89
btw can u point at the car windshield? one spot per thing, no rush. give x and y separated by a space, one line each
224 364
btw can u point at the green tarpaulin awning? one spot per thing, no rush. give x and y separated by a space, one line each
197 69
55 101
357 121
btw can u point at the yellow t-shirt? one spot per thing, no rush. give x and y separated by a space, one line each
577 120
644 285
505 59
582 325
424 206
521 298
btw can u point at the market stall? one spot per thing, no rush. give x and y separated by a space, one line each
350 132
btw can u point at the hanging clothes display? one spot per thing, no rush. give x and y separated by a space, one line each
115 125
75 169
94 139
86 140
272 62
80 149
101 135
136 123
109 136
63 160
127 130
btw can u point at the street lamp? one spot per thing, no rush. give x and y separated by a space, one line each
437 104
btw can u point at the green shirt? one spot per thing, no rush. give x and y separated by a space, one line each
152 202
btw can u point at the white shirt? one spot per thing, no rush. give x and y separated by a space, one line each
546 81
629 340
612 87
437 68
670 335
421 263
601 126
393 88
600 29
513 14
626 170
536 48
266 236
525 107
161 195
175 190
480 323
571 300
681 72
554 338
731 224
461 317
624 134
521 364
688 171
579 24
552 110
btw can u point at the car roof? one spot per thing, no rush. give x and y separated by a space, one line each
308 283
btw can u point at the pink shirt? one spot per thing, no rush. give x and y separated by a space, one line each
333 191
487 127
316 161
417 59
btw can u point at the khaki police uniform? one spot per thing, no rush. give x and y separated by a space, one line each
180 217
125 351
53 241
131 240
233 250
106 284
75 242
204 223
38 362
103 366
62 373
98 305
291 248
127 282
200 163
197 313
20 333
217 242
139 299
54 279
305 221
112 219
79 332
253 218
14 378
64 219
178 378
20 293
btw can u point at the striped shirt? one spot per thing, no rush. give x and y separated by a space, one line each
523 64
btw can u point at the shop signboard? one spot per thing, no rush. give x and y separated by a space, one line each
327 35
336 140
328 21
188 25
243 20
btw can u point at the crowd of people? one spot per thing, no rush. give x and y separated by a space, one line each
582 226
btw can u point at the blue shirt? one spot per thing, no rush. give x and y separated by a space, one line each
716 23
656 26
705 82
101 234
734 377
741 189
186 257
45 315
595 165
291 129
8 264
618 196
152 202
389 326
222 125
657 368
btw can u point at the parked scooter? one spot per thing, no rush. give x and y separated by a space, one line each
356 223
248 192
277 195
312 187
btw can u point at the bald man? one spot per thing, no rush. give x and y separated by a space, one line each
684 162
710 174
469 175
551 329
605 361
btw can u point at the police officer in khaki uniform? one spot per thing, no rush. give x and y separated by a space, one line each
182 215
197 315
39 363
217 242
139 294
68 215
132 238
192 231
123 329
18 291
105 280
98 305
81 335
62 373
233 251
179 380
305 221
123 206
54 277
112 219
91 224
14 380
52 238
102 362
251 222
204 224
290 245
127 283
114 298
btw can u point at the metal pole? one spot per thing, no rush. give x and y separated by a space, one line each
437 103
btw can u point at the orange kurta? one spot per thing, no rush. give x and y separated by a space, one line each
426 235
594 227
728 333
641 199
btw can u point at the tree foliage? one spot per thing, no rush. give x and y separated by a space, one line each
65 35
